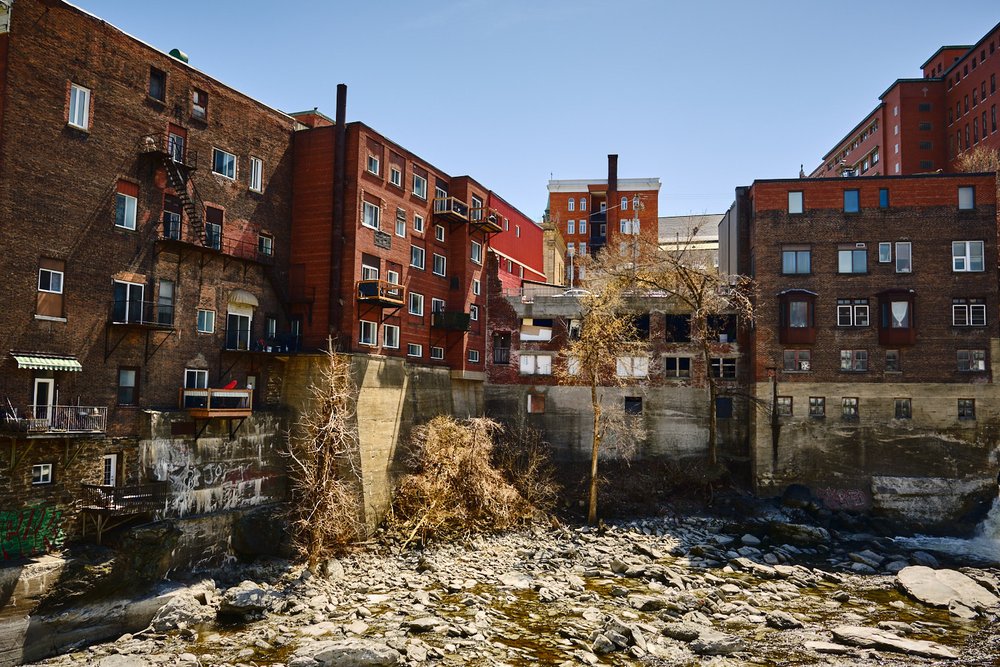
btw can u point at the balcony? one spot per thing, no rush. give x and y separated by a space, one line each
451 321
212 238
144 314
40 420
486 220
381 292
501 355
121 500
241 340
210 403
451 209
165 145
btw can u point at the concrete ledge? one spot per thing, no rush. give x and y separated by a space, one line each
474 376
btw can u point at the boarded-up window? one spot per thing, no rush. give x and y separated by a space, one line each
50 287
536 404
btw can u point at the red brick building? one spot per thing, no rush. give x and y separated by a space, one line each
924 124
518 247
876 337
592 214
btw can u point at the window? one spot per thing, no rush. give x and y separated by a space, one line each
884 252
437 352
390 336
125 206
968 312
571 204
783 406
157 84
966 197
795 259
474 313
79 106
724 368
852 201
440 265
849 408
724 407
213 227
535 364
256 174
199 104
633 406
883 198
223 163
50 281
265 245
583 225
206 321
371 214
971 360
400 222
583 249
439 233
127 386
195 378
418 223
396 176
798 314
476 286
420 186
966 408
477 252
817 406
570 249
368 333
855 361
165 303
437 305
392 277
417 257
797 360
416 305
904 257
795 203
852 260
677 367
41 473
903 408
414 350
370 267
892 364
632 367
967 256
571 227
373 165
536 404
624 203
583 205
473 356
128 303
852 312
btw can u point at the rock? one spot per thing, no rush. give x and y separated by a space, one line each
826 647
798 496
939 588
886 641
647 602
683 631
782 620
750 540
762 571
866 558
188 608
861 568
123 661
713 642
516 580
425 624
332 569
895 566
602 644
961 610
925 559
247 602
348 653
798 534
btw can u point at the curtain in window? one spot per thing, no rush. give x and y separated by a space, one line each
900 315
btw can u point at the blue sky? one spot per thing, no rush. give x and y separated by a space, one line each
705 95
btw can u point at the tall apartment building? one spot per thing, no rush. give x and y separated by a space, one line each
924 124
876 338
592 214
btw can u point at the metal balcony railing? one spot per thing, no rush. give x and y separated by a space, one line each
451 208
501 355
247 247
56 419
451 320
164 144
142 313
122 500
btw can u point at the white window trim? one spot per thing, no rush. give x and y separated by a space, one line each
267 247
219 173
376 213
476 286
418 223
799 205
437 353
533 364
387 341
46 474
409 308
378 165
423 257
211 329
422 190
83 111
438 305
414 350
62 279
477 252
474 313
473 356
966 257
909 256
632 366
571 204
131 206
256 174
444 265
439 233
373 328
396 176
197 373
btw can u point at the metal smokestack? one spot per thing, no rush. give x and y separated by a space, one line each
339 184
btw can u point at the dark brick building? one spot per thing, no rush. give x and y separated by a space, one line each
876 336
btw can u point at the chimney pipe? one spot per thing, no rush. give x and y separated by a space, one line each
612 175
337 231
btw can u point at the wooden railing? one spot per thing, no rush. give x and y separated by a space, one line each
207 403
380 290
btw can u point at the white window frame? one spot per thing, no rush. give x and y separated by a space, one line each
401 224
418 223
477 252
373 165
415 304
571 204
129 215
369 272
884 252
908 259
51 273
571 227
396 176
635 366
535 364
371 212
582 227
473 356
474 313
624 204
44 474
476 286
209 317
422 253
256 174
437 353
962 256
414 350
851 313
265 244
79 106
968 313
444 265
438 305
390 336
200 376
976 361
583 206
215 151
371 329
583 249
439 233
857 361
392 277
420 186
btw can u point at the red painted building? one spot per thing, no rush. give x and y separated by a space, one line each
518 247
924 124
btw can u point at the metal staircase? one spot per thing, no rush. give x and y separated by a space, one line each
178 164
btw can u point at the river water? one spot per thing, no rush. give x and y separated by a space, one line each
983 548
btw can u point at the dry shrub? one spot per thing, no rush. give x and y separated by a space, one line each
454 490
526 461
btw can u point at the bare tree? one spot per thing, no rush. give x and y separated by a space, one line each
981 159
325 466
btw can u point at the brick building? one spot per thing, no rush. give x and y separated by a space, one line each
152 207
592 214
518 247
923 124
876 338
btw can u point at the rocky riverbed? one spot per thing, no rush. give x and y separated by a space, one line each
670 590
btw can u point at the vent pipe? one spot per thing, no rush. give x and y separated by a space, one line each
337 231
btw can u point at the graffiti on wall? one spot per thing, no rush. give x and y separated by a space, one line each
30 530
845 499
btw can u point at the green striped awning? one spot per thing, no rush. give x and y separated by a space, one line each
47 362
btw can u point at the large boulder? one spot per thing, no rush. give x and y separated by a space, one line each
345 653
856 635
247 602
799 534
941 588
188 608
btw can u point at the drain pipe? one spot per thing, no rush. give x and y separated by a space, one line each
337 231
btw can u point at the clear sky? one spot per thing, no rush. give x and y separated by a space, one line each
706 96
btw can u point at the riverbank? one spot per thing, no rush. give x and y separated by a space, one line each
670 590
